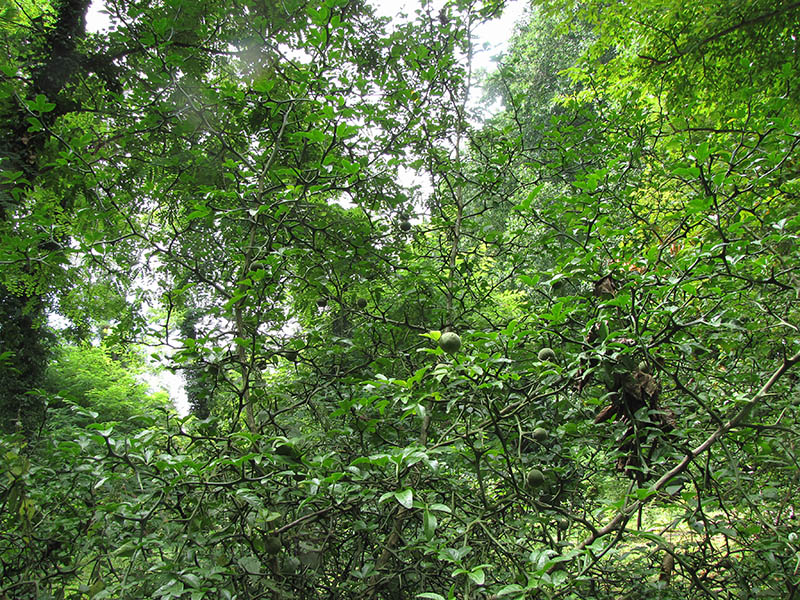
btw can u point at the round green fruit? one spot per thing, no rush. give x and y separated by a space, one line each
546 354
287 451
322 302
535 478
291 565
361 303
273 544
405 225
562 523
450 342
540 434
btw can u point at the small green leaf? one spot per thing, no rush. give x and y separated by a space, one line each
35 124
199 213
40 104
250 564
644 493
429 525
434 335
478 576
192 580
406 498
510 589
264 85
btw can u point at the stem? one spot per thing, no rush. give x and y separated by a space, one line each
238 315
458 192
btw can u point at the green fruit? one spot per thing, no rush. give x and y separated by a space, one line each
562 523
291 565
405 225
287 451
540 434
322 302
361 303
546 354
290 355
535 478
450 342
273 544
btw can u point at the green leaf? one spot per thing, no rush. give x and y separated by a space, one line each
264 85
526 203
433 335
192 580
199 213
405 498
702 153
477 576
429 525
687 172
510 589
40 104
250 564
35 124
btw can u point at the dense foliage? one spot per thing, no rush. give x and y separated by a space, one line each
291 204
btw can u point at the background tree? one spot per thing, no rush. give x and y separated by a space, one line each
615 249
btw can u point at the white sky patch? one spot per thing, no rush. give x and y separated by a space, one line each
159 379
491 38
97 21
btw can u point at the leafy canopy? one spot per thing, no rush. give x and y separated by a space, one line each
224 185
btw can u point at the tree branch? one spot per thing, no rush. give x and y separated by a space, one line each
720 34
623 515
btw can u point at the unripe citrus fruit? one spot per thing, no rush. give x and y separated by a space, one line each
546 354
450 342
273 544
535 478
